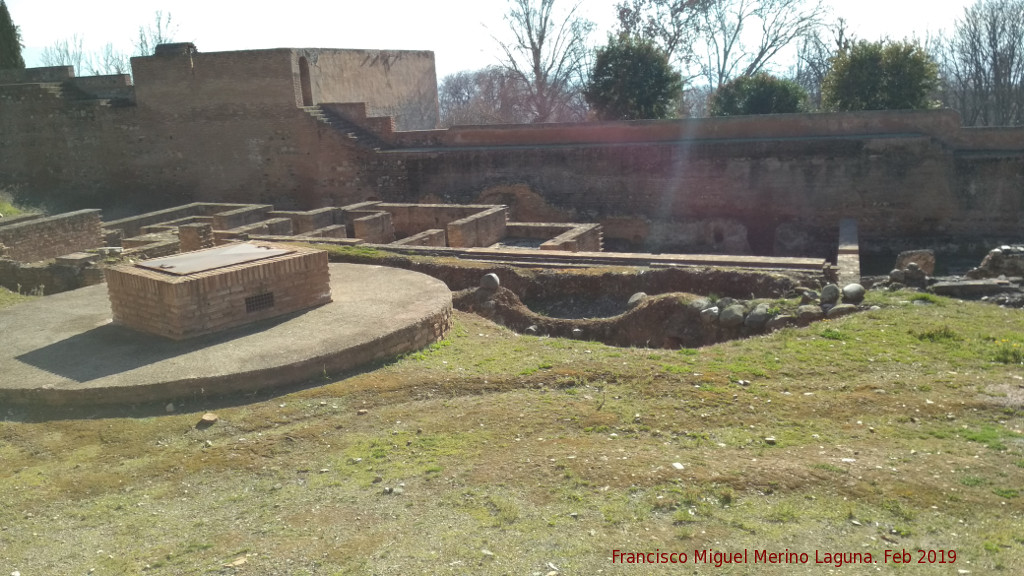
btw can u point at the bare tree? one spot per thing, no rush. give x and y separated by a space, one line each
673 25
162 31
982 64
548 55
66 52
110 61
814 59
488 96
730 24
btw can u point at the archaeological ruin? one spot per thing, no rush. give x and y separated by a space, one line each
200 172
301 129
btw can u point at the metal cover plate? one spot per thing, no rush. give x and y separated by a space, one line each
203 260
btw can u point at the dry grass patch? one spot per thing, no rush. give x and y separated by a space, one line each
546 451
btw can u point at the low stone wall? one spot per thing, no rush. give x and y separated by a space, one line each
584 238
43 238
409 219
375 228
46 277
480 229
434 237
304 222
241 216
133 225
332 231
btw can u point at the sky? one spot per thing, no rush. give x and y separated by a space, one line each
459 32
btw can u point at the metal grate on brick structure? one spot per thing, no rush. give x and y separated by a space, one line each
259 302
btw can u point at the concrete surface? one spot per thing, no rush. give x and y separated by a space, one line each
63 349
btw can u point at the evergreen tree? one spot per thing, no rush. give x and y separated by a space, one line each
880 76
758 94
10 41
631 80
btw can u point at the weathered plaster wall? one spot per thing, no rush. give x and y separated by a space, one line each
401 84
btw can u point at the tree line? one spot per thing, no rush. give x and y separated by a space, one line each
682 58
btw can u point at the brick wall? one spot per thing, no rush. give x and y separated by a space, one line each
194 237
434 237
180 307
43 238
110 86
480 229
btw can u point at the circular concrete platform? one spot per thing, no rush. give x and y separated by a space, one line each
63 349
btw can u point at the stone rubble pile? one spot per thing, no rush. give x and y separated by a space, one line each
998 279
831 302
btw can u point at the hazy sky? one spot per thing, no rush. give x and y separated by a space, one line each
458 31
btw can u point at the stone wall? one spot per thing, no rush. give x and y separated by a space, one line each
899 174
480 229
225 127
46 277
44 238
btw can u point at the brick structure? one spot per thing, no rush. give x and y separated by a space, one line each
212 299
34 239
192 237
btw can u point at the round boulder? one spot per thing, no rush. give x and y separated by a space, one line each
731 316
853 293
757 317
490 282
809 313
841 310
830 294
725 302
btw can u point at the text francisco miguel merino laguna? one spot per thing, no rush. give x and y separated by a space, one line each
837 559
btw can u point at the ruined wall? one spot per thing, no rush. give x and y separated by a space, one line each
227 127
44 238
184 82
397 83
66 154
733 184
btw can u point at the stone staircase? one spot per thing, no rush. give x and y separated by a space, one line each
359 136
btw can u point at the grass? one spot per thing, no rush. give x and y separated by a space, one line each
9 298
543 450
7 206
